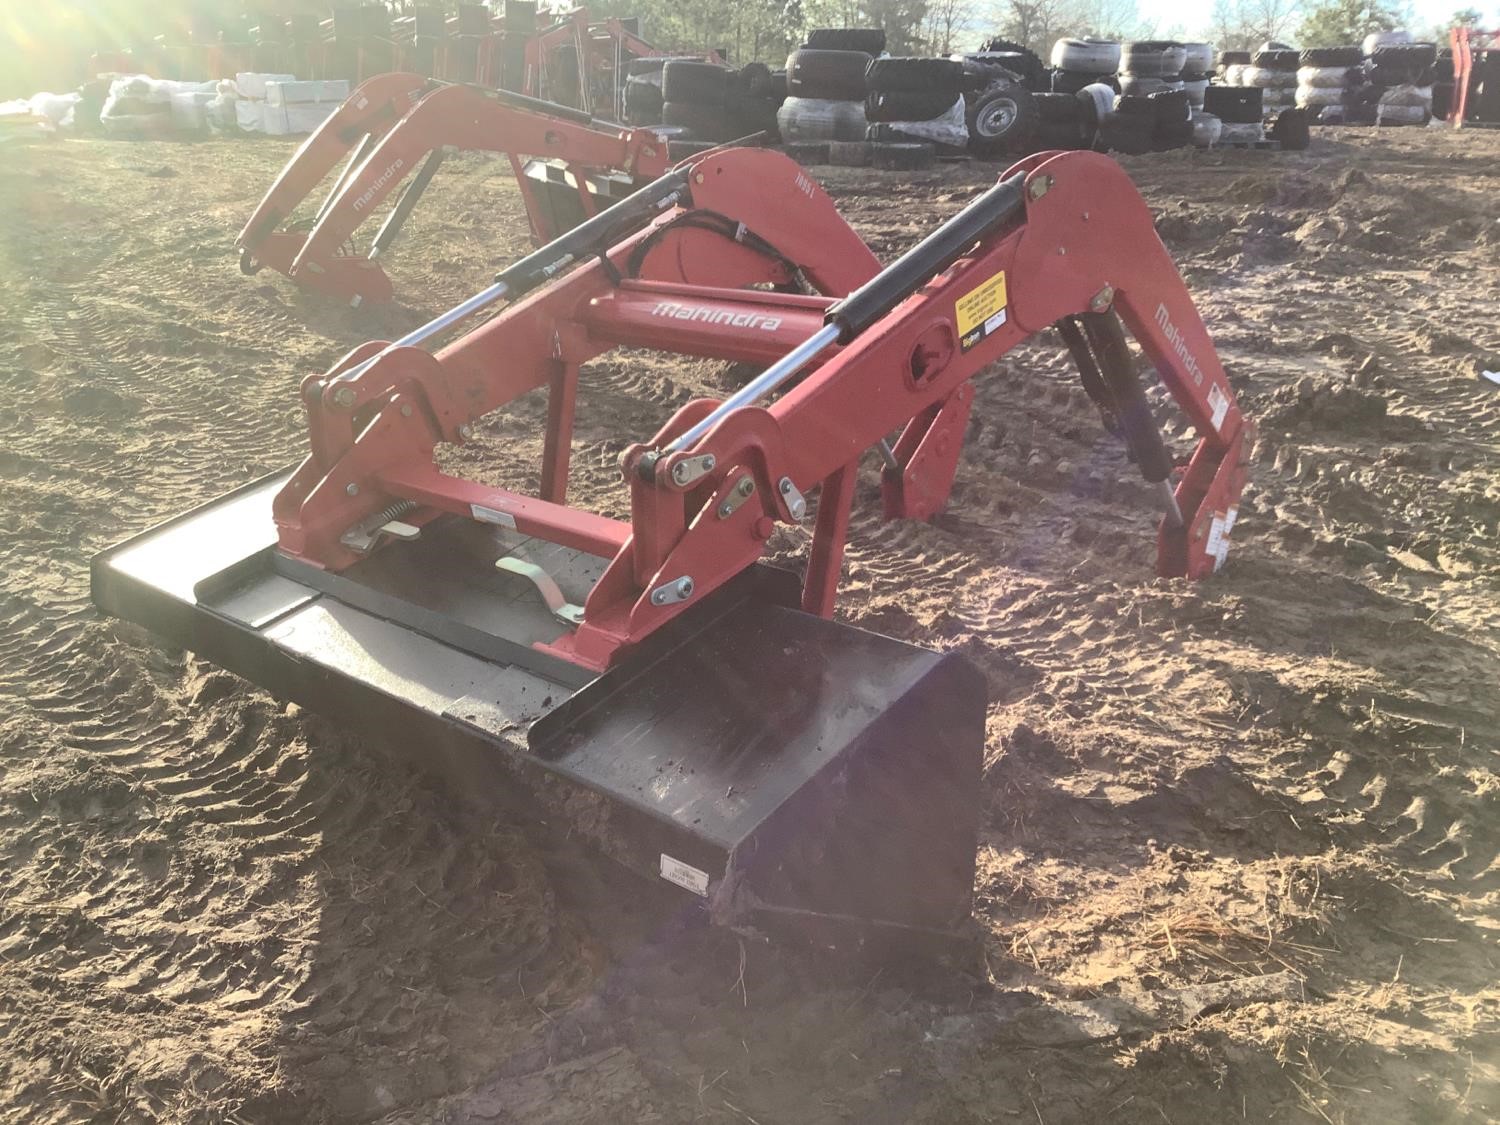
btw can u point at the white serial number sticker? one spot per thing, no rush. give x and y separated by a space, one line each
1218 536
1218 402
490 515
684 875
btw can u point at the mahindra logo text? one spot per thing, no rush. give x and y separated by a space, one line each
380 182
674 310
1179 345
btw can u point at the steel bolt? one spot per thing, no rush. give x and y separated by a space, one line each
684 587
680 472
746 487
1102 300
1039 187
725 510
466 431
406 410
709 461
344 396
351 489
785 486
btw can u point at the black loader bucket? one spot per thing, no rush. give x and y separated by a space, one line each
794 774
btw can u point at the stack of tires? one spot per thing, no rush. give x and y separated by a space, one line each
1151 67
1232 66
1399 78
1241 113
1273 69
1020 62
1070 121
1171 120
1143 123
825 91
1324 81
713 103
1003 112
1077 63
1197 71
1443 84
643 96
1130 127
917 103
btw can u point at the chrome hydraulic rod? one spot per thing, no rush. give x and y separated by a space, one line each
543 264
878 296
764 383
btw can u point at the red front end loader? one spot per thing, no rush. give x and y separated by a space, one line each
651 684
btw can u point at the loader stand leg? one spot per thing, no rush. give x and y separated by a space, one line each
1088 370
403 209
543 229
1106 338
558 449
821 585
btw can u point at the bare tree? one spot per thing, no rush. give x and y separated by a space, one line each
1269 19
1108 19
946 22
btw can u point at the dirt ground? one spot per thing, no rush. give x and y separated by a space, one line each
1240 840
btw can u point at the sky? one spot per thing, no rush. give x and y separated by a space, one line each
1172 13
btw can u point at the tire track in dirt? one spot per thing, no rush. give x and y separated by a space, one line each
187 867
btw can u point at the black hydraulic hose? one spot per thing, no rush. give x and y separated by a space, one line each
538 105
1106 338
1088 371
604 229
928 258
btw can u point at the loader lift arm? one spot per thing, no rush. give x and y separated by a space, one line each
396 129
650 684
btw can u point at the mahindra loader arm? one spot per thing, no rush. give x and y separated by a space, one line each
472 119
400 128
651 683
374 108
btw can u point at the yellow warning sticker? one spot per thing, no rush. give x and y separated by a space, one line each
980 311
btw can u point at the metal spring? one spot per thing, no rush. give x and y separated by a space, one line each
391 512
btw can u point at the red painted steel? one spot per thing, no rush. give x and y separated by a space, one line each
408 117
374 108
692 320
1465 41
1085 242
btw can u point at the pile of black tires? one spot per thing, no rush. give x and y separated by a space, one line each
1273 69
1077 63
825 101
848 103
1157 66
1326 76
708 103
1398 80
1240 111
842 100
1389 80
